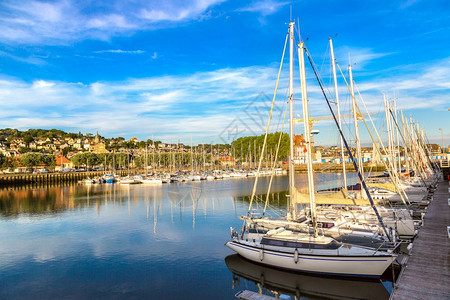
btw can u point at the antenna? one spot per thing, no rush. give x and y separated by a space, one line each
290 16
298 29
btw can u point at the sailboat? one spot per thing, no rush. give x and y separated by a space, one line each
305 251
147 179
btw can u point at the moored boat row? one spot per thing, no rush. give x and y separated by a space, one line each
156 179
357 230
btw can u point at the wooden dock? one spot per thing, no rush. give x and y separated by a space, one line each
427 273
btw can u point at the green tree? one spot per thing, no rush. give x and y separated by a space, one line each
24 150
48 160
31 159
86 159
3 161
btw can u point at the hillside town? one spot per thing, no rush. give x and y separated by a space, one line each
38 150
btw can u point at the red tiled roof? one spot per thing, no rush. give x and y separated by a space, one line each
64 160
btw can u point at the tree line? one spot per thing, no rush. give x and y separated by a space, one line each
251 146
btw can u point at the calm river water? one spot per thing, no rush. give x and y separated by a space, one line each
136 242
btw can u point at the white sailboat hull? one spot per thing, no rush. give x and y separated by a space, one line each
152 181
366 266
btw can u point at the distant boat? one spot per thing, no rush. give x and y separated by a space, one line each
153 181
130 180
88 181
110 178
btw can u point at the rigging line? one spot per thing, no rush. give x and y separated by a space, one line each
434 165
392 175
348 148
330 94
427 150
422 147
268 126
418 150
275 159
281 113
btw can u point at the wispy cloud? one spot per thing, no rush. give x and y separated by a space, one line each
66 21
358 57
266 7
203 104
406 4
31 59
172 11
120 51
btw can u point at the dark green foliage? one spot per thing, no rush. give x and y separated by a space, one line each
253 144
33 159
85 159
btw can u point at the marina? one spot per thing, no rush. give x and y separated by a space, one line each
164 222
129 241
247 151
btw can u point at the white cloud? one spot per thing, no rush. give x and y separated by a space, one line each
204 104
266 7
172 11
120 51
358 57
165 106
64 21
42 84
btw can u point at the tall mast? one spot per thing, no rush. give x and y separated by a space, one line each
338 109
388 127
212 159
398 139
392 136
405 144
355 117
145 162
307 131
291 115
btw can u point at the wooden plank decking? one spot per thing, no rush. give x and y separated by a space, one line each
427 273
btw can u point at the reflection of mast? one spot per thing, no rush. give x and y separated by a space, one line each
155 216
106 197
114 193
129 204
193 213
146 197
181 214
171 212
234 205
205 201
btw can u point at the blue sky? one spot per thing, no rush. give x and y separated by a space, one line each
173 69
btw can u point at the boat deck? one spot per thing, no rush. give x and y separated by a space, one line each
427 273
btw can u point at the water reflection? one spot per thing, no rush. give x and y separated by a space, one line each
195 197
122 241
275 282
